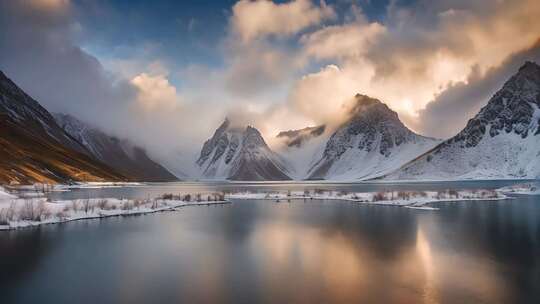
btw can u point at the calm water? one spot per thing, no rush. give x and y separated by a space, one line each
298 252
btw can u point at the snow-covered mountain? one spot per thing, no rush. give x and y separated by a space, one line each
501 141
120 154
301 148
297 138
240 153
33 148
371 143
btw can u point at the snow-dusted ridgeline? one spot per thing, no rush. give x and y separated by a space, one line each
371 143
240 153
501 142
120 154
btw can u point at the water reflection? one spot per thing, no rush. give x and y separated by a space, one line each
266 252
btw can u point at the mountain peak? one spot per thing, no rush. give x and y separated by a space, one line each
529 66
364 100
529 72
366 107
510 110
239 153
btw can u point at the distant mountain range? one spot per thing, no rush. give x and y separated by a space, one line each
39 147
120 154
33 148
371 143
501 141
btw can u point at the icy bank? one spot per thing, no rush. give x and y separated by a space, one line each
409 199
19 213
524 189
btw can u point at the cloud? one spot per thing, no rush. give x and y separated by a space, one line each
155 91
448 113
41 55
417 53
282 66
321 96
256 68
342 41
260 18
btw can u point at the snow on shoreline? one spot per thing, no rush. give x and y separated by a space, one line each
16 213
408 199
523 189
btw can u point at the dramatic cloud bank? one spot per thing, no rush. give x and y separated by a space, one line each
283 65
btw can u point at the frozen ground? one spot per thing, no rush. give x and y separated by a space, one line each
35 210
525 189
408 199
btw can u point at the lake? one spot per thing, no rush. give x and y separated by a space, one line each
266 252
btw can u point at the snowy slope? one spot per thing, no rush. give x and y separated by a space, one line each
239 153
122 155
501 141
33 148
301 148
371 143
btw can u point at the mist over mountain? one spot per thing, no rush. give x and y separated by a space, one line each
501 141
240 153
33 148
120 154
372 142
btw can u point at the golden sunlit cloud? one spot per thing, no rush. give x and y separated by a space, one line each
253 19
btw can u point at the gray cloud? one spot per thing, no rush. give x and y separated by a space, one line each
38 50
449 111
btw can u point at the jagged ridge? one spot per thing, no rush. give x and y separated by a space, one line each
501 141
238 153
372 142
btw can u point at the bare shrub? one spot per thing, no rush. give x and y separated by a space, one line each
11 212
3 217
404 195
221 196
75 205
26 213
103 204
33 212
86 205
379 196
198 197
187 198
127 206
167 196
61 215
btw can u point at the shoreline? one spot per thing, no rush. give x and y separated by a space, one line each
102 214
412 200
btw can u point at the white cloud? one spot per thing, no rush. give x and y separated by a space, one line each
155 91
342 41
259 18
